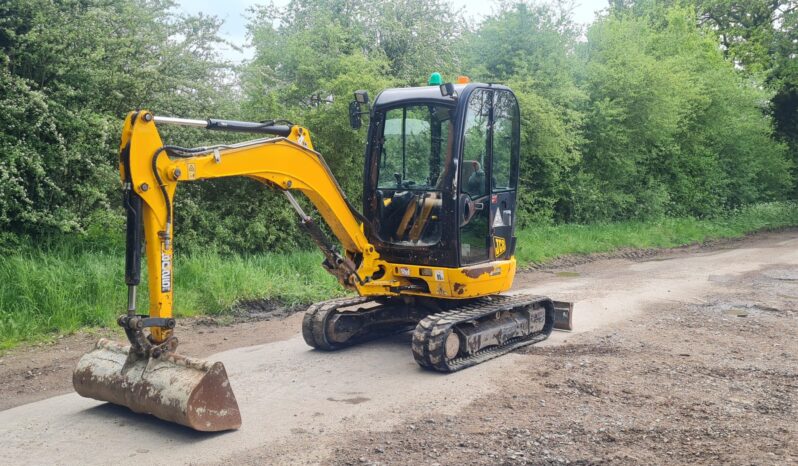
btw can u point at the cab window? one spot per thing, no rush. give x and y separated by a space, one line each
414 151
413 147
505 127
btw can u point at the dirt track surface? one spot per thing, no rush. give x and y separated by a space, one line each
684 357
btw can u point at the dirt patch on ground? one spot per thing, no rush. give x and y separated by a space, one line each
710 383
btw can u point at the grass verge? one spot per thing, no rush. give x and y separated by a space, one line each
544 243
61 288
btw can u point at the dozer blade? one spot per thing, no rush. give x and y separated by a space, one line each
563 315
187 391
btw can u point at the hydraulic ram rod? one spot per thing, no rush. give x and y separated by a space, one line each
181 121
228 125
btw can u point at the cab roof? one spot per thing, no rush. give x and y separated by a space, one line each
397 95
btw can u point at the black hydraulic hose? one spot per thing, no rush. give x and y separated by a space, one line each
162 186
125 154
186 152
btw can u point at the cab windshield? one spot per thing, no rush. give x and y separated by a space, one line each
415 147
414 152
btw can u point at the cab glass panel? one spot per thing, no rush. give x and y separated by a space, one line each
414 151
474 229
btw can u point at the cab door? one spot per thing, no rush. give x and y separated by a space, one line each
505 141
488 176
474 188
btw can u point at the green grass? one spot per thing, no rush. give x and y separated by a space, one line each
544 243
50 289
63 289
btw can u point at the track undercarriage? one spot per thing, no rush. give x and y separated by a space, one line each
446 338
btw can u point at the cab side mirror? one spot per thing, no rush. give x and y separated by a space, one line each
361 98
447 90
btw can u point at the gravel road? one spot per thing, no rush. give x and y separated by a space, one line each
681 356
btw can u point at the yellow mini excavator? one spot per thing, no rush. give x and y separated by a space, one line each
431 252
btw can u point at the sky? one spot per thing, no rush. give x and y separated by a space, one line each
233 13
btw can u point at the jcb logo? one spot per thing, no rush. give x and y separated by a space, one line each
500 246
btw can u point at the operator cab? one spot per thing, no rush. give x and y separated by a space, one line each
441 173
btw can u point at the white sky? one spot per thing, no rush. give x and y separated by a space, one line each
233 13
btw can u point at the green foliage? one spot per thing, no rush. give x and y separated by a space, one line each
113 56
69 71
551 150
50 180
529 47
66 286
660 108
672 129
525 39
645 119
60 287
759 36
300 46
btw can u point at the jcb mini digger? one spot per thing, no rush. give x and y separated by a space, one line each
432 250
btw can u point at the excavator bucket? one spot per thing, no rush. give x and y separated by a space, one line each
187 391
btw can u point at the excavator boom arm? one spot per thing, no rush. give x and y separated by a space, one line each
151 172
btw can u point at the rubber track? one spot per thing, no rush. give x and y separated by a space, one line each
315 321
430 334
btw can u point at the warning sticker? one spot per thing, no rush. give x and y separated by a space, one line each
439 275
497 220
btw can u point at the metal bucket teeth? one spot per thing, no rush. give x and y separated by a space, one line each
175 388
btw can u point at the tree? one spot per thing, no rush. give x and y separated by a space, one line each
758 36
531 47
70 70
673 129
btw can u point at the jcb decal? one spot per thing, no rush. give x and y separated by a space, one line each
500 246
166 272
